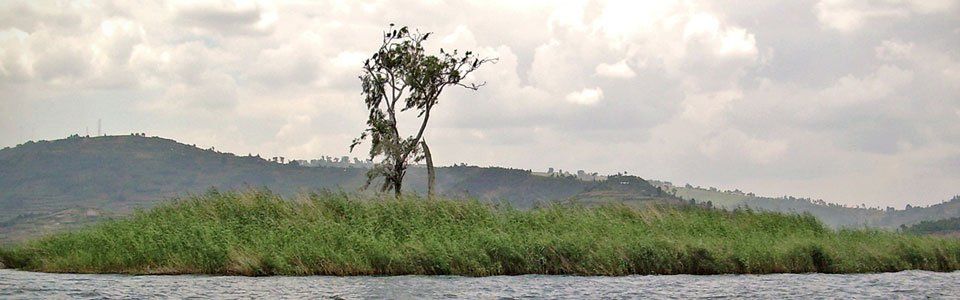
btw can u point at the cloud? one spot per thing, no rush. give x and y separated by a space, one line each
585 96
876 86
618 70
15 62
225 18
851 15
779 97
731 41
893 50
736 145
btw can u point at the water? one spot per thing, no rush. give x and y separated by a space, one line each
909 284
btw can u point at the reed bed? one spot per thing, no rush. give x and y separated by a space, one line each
257 233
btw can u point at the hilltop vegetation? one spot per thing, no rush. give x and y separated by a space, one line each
258 233
622 189
126 172
945 227
37 224
118 174
43 185
121 173
832 214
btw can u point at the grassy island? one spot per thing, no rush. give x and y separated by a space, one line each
259 233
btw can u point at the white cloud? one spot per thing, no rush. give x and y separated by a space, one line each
737 42
893 50
695 85
617 70
735 145
847 15
708 108
851 15
880 84
210 93
551 68
585 96
460 38
15 60
225 18
932 6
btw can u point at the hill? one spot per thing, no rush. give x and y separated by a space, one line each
832 214
944 227
622 189
41 182
121 173
39 224
118 174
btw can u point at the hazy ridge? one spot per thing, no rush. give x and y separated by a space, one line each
49 185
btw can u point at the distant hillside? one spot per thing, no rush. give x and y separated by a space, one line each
945 227
37 224
120 173
117 174
832 214
629 190
50 185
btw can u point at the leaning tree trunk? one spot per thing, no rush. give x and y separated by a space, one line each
431 175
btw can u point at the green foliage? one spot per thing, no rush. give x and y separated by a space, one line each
944 226
832 214
122 173
399 77
259 233
117 174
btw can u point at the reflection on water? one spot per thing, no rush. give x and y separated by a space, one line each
909 284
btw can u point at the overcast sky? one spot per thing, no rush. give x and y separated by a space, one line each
849 101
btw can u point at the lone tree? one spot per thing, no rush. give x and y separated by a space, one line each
401 77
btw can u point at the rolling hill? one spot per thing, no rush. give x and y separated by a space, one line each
630 190
114 175
943 227
50 185
831 214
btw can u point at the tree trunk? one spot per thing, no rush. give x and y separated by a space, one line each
431 175
396 187
399 170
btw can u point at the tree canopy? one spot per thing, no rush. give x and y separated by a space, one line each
402 77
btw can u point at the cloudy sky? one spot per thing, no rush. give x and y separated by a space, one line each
849 101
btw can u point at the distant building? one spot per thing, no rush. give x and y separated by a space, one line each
329 161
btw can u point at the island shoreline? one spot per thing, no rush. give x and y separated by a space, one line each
258 233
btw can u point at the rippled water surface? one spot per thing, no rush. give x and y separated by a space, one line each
910 284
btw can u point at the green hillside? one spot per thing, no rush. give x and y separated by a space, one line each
47 186
831 214
118 174
121 173
944 227
622 189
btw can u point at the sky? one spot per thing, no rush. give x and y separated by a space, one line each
851 101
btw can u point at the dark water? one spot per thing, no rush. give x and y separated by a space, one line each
908 285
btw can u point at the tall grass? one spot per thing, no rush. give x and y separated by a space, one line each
258 233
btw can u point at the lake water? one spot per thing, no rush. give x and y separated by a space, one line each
910 284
